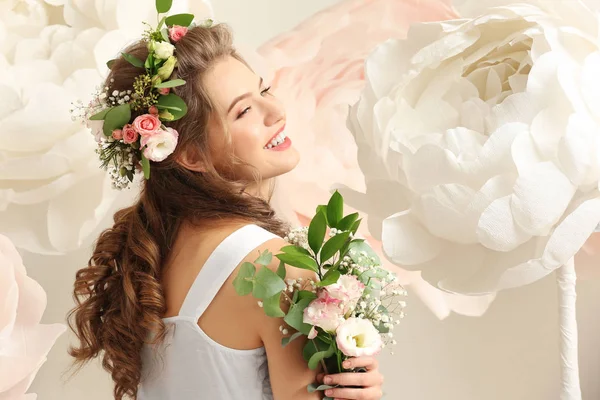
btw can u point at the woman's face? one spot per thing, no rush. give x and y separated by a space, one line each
254 118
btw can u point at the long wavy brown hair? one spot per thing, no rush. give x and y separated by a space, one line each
119 297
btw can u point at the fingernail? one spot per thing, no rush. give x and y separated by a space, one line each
328 392
327 380
346 364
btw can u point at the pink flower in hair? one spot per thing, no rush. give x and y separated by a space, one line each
176 32
147 124
130 135
117 134
164 91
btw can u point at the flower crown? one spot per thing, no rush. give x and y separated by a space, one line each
126 145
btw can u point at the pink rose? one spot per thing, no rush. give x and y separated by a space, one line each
130 135
153 110
164 91
348 289
160 145
117 134
358 337
147 124
325 312
176 32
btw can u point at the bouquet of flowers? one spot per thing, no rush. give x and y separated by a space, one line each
351 307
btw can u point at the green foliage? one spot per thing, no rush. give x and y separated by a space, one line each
295 316
267 284
243 281
286 340
136 62
163 6
295 250
335 209
170 84
316 232
175 103
347 222
330 278
116 118
281 271
264 258
180 19
299 261
100 116
145 166
333 245
272 306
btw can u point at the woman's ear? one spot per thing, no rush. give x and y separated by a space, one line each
192 160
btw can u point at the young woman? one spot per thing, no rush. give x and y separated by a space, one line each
157 298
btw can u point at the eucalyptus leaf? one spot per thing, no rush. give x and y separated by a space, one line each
281 270
170 84
286 340
110 63
316 232
163 6
316 358
295 296
272 306
358 246
267 283
172 100
264 258
295 316
242 282
167 108
116 118
100 116
335 209
299 261
136 62
313 387
333 245
145 166
314 346
180 19
330 278
165 34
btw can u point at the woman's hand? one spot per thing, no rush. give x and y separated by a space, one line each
369 383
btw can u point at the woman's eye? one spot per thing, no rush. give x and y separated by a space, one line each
266 90
244 111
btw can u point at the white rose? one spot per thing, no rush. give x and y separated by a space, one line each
163 50
358 337
160 145
485 135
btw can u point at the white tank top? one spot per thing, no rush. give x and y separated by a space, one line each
189 364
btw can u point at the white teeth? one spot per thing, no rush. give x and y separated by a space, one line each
277 140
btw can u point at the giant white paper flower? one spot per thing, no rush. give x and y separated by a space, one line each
480 143
24 342
52 191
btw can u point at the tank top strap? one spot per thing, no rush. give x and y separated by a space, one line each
220 265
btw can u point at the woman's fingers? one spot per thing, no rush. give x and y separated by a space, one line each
373 393
368 362
355 379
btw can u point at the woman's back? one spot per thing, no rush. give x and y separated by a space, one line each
211 350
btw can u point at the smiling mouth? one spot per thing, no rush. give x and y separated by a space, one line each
276 140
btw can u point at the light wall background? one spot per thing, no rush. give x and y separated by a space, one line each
511 353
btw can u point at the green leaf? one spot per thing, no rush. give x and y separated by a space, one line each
264 258
314 346
100 116
145 166
172 100
335 209
314 387
281 270
314 360
267 283
330 278
381 328
116 118
306 294
272 306
295 316
347 222
286 340
170 84
293 249
149 63
355 226
316 232
180 19
333 245
322 209
295 296
358 246
167 108
160 24
163 6
299 261
242 282
110 63
136 62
